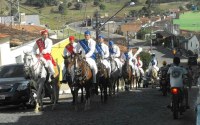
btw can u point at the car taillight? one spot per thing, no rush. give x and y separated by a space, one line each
174 91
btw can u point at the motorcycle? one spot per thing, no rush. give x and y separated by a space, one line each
165 87
177 106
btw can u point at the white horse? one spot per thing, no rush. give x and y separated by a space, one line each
35 68
114 77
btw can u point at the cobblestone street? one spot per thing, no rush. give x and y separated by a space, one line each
139 107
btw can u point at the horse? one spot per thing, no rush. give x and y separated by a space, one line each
153 74
114 77
102 78
82 79
68 63
127 75
35 70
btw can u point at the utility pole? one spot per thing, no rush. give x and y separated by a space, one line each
97 24
127 40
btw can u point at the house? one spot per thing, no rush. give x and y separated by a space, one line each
165 37
14 40
191 44
174 13
133 27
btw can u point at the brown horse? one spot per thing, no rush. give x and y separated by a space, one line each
68 63
127 75
102 78
82 78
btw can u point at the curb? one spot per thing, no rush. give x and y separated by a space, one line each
198 115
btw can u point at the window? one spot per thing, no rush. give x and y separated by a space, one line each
11 71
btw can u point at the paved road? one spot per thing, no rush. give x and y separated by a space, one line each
139 107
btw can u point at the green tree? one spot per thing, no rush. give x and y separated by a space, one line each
62 8
69 4
96 3
102 7
133 13
78 6
146 58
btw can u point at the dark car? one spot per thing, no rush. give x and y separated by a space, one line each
14 88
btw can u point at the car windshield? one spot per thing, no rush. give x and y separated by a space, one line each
11 71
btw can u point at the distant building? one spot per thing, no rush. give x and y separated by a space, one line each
191 43
174 13
25 19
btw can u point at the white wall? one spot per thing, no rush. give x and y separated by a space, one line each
17 53
193 44
5 53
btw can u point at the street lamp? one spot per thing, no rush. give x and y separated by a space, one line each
98 27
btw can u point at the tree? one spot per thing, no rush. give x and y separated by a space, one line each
85 1
134 1
69 4
102 7
78 6
146 58
133 13
62 8
41 3
96 3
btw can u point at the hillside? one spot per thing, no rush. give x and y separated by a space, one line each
49 14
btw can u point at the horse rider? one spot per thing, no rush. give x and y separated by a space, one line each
128 56
103 50
153 58
42 47
139 65
115 54
88 46
153 63
163 70
153 66
68 51
176 74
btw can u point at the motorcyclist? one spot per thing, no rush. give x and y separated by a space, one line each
163 73
177 74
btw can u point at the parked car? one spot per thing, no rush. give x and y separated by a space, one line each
14 88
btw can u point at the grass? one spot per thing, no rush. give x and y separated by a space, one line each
189 21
